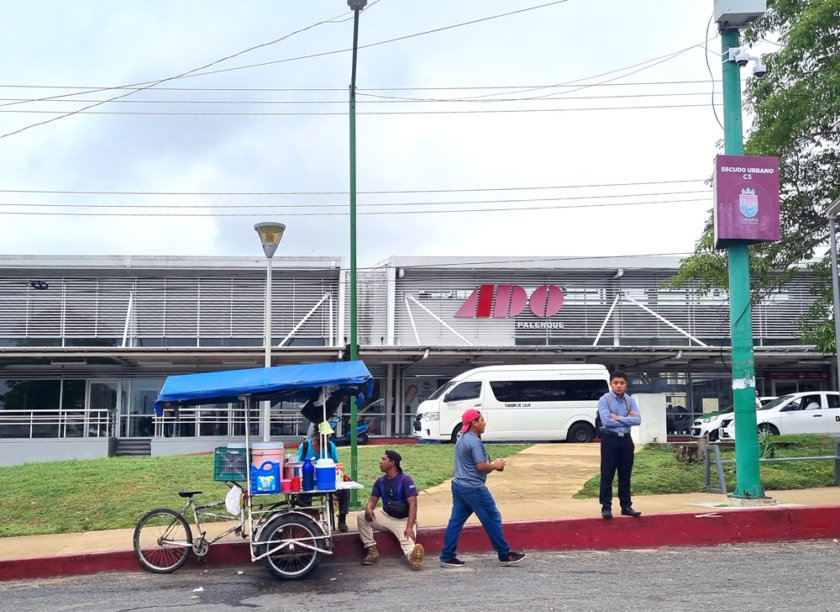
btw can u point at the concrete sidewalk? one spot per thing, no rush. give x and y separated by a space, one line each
537 485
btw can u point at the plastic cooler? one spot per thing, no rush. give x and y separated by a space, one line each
266 478
325 475
267 451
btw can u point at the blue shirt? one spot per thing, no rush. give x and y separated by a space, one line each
332 452
611 403
469 450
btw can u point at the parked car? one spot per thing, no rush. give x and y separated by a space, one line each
710 424
808 412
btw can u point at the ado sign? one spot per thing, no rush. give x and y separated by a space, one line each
509 301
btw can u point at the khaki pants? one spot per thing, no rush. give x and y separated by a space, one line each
383 522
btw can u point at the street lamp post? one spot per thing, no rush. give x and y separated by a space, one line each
832 211
270 236
748 477
355 6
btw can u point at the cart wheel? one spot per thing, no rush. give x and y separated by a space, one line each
294 534
162 541
266 514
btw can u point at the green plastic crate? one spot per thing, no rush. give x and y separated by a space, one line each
230 464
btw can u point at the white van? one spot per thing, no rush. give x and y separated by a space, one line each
519 402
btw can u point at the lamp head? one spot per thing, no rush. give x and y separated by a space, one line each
270 236
356 5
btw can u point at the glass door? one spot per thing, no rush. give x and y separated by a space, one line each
103 407
137 419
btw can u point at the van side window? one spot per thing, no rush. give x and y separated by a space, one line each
547 390
833 400
464 391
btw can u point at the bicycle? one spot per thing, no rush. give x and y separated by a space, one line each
163 538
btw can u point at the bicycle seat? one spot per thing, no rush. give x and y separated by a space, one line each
188 493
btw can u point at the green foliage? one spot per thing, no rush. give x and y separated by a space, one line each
656 470
113 492
796 109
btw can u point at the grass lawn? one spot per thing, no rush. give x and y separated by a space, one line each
656 470
113 492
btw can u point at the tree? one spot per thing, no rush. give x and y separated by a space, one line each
796 109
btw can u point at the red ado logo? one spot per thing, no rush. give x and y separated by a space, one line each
510 300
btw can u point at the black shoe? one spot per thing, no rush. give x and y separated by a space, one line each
606 513
453 562
628 511
342 524
513 557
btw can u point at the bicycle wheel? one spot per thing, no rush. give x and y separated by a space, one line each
162 541
293 534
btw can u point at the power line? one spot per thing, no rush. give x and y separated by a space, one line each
342 213
342 114
379 192
368 204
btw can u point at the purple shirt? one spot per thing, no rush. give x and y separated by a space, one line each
399 488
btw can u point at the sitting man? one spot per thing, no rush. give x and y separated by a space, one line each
312 448
398 515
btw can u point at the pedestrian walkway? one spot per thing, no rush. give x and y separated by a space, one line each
538 484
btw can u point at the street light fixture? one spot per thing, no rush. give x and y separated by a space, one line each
270 236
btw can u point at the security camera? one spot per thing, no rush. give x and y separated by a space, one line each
759 69
741 59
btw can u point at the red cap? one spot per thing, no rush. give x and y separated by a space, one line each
467 418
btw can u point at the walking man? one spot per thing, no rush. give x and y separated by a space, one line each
399 512
470 493
618 412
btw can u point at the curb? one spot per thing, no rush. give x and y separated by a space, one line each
647 531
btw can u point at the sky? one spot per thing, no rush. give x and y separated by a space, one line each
484 128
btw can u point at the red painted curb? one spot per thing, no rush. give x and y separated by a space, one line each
648 531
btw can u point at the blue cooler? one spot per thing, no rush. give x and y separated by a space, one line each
266 478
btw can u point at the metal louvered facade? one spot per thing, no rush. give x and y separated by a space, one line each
168 307
629 308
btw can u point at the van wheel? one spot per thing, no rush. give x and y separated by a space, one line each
581 432
455 433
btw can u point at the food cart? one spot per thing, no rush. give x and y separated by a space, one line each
288 530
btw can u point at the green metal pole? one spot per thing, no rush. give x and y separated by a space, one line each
354 347
748 477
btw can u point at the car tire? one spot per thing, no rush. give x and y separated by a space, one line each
768 429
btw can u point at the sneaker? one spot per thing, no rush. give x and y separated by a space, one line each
371 556
513 557
416 557
453 562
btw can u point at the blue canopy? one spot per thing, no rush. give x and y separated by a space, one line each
284 382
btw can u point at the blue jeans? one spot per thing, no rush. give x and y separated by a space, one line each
465 501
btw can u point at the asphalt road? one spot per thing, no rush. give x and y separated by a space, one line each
789 576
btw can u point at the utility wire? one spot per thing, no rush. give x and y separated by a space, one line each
369 205
507 209
386 191
85 111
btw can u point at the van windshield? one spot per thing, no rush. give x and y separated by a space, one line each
442 390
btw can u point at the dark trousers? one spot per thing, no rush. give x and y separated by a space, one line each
616 455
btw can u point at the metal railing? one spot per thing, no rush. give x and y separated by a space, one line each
719 463
55 423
